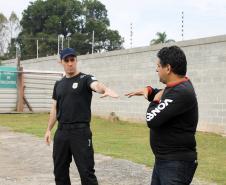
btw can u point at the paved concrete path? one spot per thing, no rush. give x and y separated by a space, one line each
26 160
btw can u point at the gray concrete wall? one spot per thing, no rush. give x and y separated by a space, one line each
126 70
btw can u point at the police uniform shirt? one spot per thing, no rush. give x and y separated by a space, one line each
73 96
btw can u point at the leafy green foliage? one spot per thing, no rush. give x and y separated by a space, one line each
161 38
45 20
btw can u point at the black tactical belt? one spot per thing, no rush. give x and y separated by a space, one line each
68 126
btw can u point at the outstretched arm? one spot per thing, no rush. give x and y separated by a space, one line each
139 92
102 89
148 92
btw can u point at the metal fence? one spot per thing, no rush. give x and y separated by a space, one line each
32 92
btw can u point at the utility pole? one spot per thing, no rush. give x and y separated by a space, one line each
58 44
20 87
16 52
182 25
37 48
131 35
68 42
61 36
93 42
68 38
62 44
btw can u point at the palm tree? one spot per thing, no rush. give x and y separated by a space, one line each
161 38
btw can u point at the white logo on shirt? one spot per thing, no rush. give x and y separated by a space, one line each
75 85
161 106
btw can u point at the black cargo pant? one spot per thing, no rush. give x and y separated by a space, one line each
73 140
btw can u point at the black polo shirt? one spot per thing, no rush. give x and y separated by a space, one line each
73 96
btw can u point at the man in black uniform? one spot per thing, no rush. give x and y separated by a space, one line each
172 117
71 108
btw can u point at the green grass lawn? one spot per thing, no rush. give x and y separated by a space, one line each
131 141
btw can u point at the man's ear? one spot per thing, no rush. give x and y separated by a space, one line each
168 69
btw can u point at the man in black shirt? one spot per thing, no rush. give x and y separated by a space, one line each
71 108
172 117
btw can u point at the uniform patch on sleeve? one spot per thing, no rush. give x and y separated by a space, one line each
82 76
93 78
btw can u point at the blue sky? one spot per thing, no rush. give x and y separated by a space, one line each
202 18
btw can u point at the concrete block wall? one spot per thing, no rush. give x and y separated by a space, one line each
127 70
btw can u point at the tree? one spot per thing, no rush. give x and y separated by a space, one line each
14 25
14 28
95 10
45 20
3 33
161 38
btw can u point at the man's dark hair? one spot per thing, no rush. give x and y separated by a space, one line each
175 57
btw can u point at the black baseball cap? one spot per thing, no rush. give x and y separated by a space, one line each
67 52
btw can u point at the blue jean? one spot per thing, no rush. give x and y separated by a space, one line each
168 172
